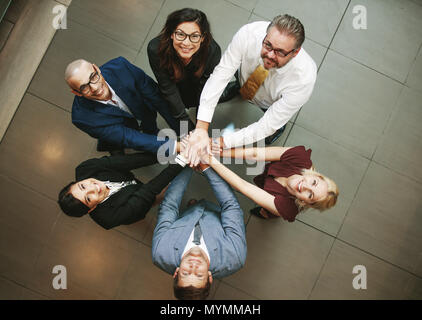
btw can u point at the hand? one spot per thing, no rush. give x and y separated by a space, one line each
198 145
183 145
217 146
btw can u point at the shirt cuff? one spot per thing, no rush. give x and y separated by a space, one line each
205 114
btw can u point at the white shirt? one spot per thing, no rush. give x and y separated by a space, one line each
116 186
116 101
190 244
283 92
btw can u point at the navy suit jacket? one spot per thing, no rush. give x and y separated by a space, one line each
140 93
222 227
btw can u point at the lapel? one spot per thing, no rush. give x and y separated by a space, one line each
109 109
124 88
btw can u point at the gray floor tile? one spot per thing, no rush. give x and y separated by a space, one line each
96 260
384 281
224 17
10 290
315 50
320 18
350 104
344 167
41 147
414 79
385 218
15 9
226 292
246 4
127 22
401 145
5 29
143 280
73 43
391 53
26 220
18 253
284 259
26 210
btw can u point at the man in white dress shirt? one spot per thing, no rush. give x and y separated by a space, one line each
290 78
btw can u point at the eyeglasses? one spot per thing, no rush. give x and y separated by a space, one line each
278 52
93 79
193 37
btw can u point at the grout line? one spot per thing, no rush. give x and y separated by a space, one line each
243 291
413 63
103 34
148 33
353 199
23 286
320 271
323 58
366 66
49 102
379 258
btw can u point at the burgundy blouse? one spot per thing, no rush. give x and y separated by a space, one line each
293 161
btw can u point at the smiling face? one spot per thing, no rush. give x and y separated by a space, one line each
186 48
193 269
82 76
309 188
279 42
90 192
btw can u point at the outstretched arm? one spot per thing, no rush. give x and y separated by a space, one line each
257 154
256 194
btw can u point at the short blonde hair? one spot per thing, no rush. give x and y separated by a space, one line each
327 202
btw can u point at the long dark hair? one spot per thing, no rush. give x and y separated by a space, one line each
169 60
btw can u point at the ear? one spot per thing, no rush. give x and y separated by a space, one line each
76 93
96 67
175 273
296 52
210 277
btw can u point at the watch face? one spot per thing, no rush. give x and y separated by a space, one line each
181 160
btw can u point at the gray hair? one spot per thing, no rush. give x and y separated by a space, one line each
290 26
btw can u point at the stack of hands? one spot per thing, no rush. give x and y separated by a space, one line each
199 149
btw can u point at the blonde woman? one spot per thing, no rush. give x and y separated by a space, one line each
288 185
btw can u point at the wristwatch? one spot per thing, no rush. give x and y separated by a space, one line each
181 160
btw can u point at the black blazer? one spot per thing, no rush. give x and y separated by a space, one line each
129 204
187 92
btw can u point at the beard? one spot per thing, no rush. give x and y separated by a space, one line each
275 64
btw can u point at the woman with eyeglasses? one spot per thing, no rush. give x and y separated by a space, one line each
182 58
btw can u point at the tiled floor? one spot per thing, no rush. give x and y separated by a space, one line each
362 122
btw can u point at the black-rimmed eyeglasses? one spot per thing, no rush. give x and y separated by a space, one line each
93 79
193 37
278 52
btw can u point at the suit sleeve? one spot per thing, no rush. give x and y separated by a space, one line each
120 162
231 213
169 208
141 201
148 88
113 130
